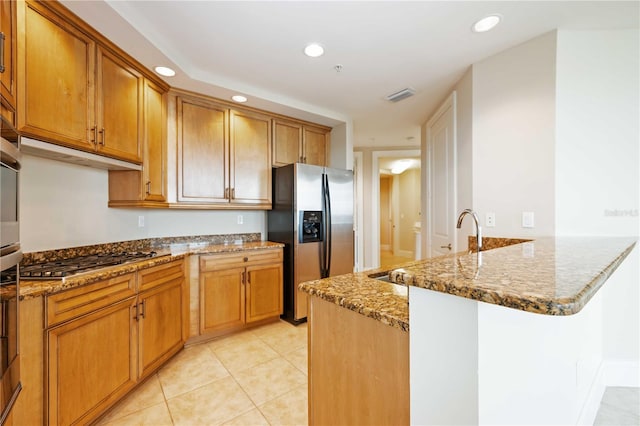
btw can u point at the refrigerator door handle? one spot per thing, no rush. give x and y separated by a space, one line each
327 225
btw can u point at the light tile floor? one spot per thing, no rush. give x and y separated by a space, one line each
388 259
256 377
619 406
259 377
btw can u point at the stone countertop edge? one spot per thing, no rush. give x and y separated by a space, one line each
556 296
385 302
34 288
382 301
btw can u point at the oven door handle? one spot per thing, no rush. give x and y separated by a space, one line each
11 259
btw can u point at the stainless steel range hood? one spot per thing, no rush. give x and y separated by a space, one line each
74 156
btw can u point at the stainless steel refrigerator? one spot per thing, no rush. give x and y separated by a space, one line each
313 216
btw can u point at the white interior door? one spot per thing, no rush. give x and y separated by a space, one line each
441 180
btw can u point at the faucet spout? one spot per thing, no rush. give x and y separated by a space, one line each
477 222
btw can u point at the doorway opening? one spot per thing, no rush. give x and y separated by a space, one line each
399 214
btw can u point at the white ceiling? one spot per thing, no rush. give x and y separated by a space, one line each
255 48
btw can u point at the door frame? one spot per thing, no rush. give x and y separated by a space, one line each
427 170
358 209
375 196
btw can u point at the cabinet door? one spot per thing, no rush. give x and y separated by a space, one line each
250 159
159 325
91 363
56 99
264 292
203 153
8 49
287 143
119 95
315 146
221 299
155 149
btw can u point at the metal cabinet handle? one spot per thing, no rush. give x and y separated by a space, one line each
243 278
148 185
1 52
94 130
233 193
447 246
144 308
226 193
102 132
134 308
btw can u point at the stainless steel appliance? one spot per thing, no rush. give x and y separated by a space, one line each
312 216
10 256
60 269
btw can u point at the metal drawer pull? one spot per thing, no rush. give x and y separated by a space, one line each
1 52
447 246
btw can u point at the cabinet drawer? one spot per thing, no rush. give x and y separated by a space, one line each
213 262
161 274
79 301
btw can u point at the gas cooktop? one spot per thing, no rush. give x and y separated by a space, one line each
64 268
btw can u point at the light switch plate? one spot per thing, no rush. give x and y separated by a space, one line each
527 220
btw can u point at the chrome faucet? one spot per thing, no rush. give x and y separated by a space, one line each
478 230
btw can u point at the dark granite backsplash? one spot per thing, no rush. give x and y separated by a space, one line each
147 244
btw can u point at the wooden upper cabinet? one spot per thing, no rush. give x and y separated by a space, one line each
315 143
155 145
287 143
119 105
146 188
203 152
76 88
8 58
56 99
224 156
250 158
299 143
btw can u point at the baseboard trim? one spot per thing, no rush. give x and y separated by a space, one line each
405 253
594 397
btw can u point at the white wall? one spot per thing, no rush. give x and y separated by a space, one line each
464 159
513 137
598 162
341 147
64 205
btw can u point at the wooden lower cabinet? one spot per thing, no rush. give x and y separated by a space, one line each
358 368
238 289
160 322
91 363
104 338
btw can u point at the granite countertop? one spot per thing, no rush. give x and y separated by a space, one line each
35 288
383 301
549 275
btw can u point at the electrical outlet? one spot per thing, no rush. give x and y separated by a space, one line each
140 221
527 220
490 220
240 219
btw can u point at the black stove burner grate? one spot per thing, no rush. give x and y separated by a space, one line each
63 268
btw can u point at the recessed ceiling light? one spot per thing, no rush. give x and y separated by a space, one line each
239 98
314 50
165 71
487 23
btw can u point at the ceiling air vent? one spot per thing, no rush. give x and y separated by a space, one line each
402 94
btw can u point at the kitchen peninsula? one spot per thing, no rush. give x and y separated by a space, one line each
509 335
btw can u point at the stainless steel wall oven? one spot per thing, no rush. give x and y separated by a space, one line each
10 256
